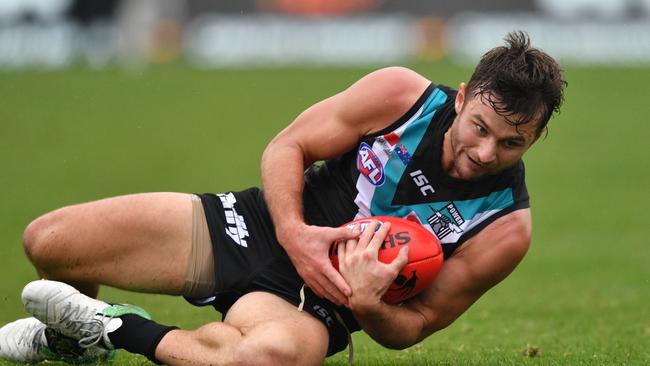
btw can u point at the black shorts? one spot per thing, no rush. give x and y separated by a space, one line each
249 258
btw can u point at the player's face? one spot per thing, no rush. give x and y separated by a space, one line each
480 142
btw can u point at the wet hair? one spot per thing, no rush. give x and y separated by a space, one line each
520 83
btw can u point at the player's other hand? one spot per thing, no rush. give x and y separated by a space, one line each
368 277
308 246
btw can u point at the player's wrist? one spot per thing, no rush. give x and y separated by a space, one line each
365 307
288 230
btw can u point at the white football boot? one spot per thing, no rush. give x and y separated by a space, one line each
67 311
22 340
30 341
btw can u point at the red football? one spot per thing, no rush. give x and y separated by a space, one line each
424 262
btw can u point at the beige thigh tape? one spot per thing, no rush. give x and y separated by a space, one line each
199 278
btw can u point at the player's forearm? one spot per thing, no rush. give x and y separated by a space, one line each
392 326
283 181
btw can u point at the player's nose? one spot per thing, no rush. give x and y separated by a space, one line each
487 152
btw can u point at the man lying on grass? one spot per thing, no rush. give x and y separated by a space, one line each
448 159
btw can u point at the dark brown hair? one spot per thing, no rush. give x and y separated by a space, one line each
521 83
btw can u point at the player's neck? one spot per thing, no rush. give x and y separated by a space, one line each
447 156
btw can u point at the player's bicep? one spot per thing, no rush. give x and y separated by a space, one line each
334 125
481 263
323 131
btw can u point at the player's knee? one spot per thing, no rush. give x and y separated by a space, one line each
32 238
41 240
271 352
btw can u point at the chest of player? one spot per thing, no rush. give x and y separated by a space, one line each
403 177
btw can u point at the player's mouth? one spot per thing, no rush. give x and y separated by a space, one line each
475 165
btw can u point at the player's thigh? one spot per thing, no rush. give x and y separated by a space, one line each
274 329
138 242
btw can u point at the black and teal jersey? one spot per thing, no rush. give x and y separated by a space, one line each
398 172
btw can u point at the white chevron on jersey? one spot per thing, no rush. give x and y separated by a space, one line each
365 189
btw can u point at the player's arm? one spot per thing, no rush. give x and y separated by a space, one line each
478 265
325 130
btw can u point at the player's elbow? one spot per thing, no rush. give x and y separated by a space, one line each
272 147
397 347
519 239
433 325
282 150
398 344
406 341
398 339
441 324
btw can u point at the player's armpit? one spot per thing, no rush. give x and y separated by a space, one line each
478 265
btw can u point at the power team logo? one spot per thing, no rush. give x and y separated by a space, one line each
369 165
442 224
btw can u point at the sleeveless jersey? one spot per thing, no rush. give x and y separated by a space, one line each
398 172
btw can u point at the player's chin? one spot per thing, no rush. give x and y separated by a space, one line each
471 171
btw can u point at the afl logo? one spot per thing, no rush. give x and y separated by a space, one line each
369 165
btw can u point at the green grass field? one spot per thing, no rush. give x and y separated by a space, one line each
580 297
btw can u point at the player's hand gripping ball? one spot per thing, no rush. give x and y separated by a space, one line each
424 262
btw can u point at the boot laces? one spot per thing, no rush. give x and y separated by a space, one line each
31 336
92 330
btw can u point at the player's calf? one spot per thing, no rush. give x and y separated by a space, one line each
220 343
274 342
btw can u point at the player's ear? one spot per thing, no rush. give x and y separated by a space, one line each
460 98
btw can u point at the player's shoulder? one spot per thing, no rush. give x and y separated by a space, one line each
385 94
399 74
512 231
504 241
396 81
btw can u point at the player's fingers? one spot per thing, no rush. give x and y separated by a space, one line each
341 252
348 233
378 237
330 296
314 280
401 260
367 234
316 288
336 287
351 243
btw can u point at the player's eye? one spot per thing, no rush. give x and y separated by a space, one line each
480 130
511 144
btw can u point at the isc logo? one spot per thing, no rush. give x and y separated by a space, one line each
369 165
421 181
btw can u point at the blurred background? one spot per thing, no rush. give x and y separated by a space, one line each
232 33
103 98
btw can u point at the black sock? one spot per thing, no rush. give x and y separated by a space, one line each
139 335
